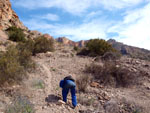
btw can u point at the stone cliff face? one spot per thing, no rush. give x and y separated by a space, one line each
8 17
131 51
66 41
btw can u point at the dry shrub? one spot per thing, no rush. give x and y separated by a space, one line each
111 56
20 105
82 83
83 100
10 68
25 53
112 74
13 64
42 45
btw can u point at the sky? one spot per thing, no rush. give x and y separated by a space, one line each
126 21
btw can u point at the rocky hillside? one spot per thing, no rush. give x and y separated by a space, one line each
8 17
66 41
131 51
40 91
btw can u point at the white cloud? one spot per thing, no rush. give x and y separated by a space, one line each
135 28
118 4
92 29
49 16
34 24
76 7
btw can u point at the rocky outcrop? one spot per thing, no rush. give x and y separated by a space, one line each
8 17
47 36
131 51
66 41
3 36
81 43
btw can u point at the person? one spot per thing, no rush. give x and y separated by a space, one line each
68 84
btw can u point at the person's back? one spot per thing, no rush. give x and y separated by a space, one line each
67 84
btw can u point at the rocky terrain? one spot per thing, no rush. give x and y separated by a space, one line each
68 42
8 17
42 86
131 51
41 92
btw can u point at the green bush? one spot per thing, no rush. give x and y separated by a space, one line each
13 64
20 105
97 47
16 34
10 68
25 52
42 45
75 48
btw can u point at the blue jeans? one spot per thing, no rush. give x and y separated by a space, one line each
69 85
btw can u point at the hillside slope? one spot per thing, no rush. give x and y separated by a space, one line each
131 51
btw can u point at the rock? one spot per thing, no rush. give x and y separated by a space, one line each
40 55
44 107
8 17
3 36
65 41
60 102
111 107
148 87
48 36
95 84
146 65
34 33
48 54
81 43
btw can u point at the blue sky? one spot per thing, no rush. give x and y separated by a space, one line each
127 21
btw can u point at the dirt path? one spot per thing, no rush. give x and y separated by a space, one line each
42 86
51 70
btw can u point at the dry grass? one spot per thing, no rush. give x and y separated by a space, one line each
112 74
82 83
13 64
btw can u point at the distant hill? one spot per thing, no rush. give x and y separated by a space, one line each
66 41
131 51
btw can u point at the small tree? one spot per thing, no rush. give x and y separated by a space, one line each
16 34
43 45
99 47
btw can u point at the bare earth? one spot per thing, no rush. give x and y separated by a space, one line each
52 67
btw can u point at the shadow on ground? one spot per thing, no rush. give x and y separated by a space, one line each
52 98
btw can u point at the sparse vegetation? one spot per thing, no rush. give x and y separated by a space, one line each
20 105
43 44
39 84
25 53
111 56
75 48
96 47
16 34
83 100
10 68
13 64
112 74
82 83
